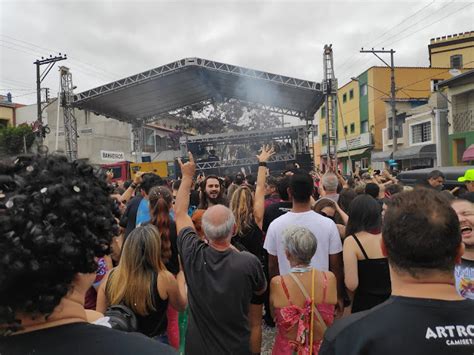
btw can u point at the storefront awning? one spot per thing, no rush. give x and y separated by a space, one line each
352 153
468 154
416 152
381 156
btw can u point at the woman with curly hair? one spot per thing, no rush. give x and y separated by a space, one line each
55 220
142 283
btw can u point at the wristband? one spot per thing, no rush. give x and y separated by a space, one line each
262 163
133 185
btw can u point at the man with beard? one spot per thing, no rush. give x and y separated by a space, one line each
212 194
464 272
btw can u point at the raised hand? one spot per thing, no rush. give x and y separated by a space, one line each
266 152
189 168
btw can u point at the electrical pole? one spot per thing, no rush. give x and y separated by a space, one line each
39 79
392 90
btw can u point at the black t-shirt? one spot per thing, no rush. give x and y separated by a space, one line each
128 220
404 325
220 286
81 338
274 211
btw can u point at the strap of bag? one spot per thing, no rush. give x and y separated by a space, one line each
305 294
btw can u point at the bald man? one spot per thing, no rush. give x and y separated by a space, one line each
221 281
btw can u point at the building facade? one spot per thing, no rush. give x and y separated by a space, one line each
460 93
104 140
452 51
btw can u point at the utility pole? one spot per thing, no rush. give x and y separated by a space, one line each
39 79
392 90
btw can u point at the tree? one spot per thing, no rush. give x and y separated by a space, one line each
227 116
13 139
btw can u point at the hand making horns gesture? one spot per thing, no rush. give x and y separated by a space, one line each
189 168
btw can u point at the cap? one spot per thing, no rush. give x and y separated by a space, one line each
468 176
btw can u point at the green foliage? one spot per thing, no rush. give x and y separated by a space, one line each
11 139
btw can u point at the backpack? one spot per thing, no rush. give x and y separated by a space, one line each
122 318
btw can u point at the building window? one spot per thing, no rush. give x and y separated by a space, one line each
353 128
149 141
345 129
324 139
323 112
344 97
434 82
351 94
421 133
364 163
400 121
363 90
456 61
364 127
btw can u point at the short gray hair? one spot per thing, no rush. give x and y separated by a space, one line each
330 182
222 230
300 243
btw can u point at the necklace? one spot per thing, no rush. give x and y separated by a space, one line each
300 268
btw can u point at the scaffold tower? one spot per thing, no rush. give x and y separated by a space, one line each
330 93
70 123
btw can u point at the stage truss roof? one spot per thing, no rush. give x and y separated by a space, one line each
194 81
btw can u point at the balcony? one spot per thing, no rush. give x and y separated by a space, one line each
463 122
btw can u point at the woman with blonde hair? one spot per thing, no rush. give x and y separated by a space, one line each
142 283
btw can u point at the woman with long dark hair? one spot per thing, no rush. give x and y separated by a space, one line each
366 272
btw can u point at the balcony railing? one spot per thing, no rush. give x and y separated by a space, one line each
463 122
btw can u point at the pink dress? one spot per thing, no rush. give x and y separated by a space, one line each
289 317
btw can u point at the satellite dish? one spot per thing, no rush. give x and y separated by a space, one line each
454 72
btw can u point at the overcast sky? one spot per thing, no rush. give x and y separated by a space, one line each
108 40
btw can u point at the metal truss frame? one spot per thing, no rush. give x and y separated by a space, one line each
242 162
70 122
203 63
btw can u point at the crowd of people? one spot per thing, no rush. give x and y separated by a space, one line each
199 265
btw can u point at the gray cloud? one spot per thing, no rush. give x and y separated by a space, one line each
107 40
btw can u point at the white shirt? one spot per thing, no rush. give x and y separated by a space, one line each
323 228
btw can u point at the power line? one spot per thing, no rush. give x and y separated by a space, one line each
114 75
432 23
412 25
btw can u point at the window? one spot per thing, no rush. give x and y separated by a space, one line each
363 90
323 112
149 143
345 129
344 97
364 127
324 139
364 163
456 61
421 132
351 94
400 121
353 128
433 84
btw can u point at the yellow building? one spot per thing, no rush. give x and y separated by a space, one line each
452 51
7 111
361 115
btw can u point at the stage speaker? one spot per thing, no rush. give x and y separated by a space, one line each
305 161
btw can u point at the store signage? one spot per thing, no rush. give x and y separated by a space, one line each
112 156
360 141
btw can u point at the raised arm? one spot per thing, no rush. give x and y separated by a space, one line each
259 202
181 206
137 180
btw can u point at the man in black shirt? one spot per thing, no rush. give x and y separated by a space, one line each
220 280
425 314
